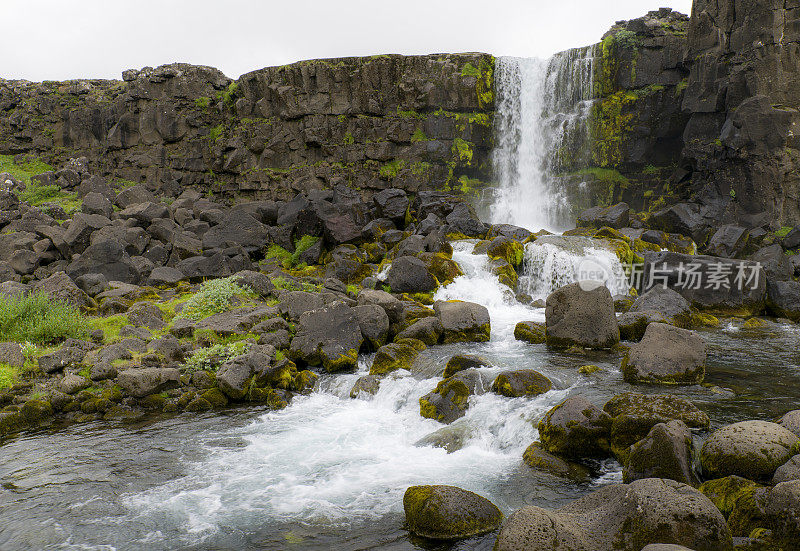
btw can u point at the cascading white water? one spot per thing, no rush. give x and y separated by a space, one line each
551 262
542 109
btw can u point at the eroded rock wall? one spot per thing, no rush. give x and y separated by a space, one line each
413 122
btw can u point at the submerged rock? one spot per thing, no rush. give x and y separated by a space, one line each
448 512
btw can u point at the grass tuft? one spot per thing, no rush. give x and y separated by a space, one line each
39 319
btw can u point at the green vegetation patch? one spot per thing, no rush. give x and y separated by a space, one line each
214 297
391 169
37 318
212 357
23 171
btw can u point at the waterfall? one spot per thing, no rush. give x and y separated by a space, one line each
541 129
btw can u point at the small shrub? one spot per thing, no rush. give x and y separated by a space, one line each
213 298
38 319
212 357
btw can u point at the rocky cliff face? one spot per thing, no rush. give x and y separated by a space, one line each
701 113
422 122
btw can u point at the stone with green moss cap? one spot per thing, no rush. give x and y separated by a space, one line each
450 399
393 356
576 428
448 512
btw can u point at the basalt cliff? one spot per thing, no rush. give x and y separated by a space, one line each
693 123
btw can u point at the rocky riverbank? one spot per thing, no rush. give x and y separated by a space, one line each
193 304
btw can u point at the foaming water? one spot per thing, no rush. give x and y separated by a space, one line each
551 262
542 111
480 285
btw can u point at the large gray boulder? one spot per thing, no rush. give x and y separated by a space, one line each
788 471
791 420
667 355
409 274
60 287
576 428
666 452
751 449
621 517
142 382
463 321
448 512
329 336
741 289
783 299
728 241
233 375
108 258
615 216
236 228
374 324
581 314
392 306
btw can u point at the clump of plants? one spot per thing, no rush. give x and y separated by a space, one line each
290 260
37 318
215 296
212 357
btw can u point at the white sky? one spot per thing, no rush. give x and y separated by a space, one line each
58 39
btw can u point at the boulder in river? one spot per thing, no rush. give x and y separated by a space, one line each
633 415
752 449
463 321
448 513
623 517
329 336
581 314
530 331
521 382
667 355
450 399
576 428
666 452
393 356
539 459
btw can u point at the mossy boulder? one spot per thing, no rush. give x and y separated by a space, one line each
368 384
530 331
448 512
634 415
450 399
428 330
576 428
506 248
521 382
443 268
666 452
539 459
752 449
391 357
460 362
505 273
463 321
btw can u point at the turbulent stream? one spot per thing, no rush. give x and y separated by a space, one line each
329 472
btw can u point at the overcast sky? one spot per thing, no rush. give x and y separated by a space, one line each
58 39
